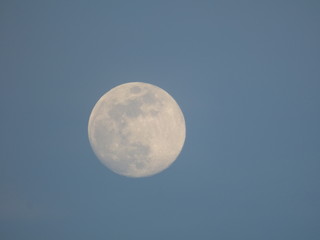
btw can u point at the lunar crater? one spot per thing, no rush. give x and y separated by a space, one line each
135 89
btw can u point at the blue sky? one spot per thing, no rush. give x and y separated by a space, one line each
246 75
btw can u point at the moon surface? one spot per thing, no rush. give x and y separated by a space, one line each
137 129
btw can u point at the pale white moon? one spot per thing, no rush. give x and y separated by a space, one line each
137 129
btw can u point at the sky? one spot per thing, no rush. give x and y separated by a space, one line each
246 75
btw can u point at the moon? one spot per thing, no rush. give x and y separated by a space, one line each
137 129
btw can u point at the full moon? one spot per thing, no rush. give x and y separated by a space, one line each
136 129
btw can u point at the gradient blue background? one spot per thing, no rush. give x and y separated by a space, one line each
247 77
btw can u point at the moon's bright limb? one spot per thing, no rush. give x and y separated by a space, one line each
137 129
